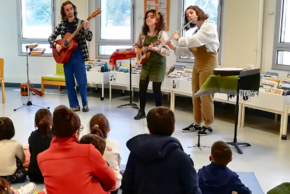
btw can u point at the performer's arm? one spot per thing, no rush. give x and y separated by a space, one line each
180 51
164 51
205 35
88 33
138 44
54 35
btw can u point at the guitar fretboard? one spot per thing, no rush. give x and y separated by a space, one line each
77 30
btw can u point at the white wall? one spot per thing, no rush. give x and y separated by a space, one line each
240 38
240 43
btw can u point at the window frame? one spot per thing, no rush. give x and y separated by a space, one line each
22 40
219 29
112 42
277 45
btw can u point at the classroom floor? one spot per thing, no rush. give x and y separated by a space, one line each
268 156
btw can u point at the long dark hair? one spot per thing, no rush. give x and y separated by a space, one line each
99 125
62 12
159 26
199 12
43 120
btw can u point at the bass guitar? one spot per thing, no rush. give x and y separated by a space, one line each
69 43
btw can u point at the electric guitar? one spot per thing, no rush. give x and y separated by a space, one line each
69 43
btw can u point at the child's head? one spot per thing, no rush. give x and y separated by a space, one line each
99 125
161 121
95 140
65 122
5 187
221 153
43 121
6 128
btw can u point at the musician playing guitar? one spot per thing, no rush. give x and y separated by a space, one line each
75 67
154 68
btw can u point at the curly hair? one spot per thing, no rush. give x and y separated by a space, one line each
62 12
199 12
159 26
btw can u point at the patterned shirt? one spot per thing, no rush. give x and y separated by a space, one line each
61 29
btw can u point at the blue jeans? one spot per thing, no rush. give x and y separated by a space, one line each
75 68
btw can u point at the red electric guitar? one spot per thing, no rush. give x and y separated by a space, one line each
69 43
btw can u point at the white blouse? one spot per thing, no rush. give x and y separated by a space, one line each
112 156
207 35
165 51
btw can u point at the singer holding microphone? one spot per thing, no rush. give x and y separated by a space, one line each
203 45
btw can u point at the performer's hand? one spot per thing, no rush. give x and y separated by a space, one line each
58 47
171 45
137 50
175 35
151 48
86 25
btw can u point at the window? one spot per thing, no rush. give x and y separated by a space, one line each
210 7
115 26
35 23
281 50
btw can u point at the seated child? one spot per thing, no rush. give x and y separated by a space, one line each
157 163
95 140
216 177
99 125
5 188
11 152
39 141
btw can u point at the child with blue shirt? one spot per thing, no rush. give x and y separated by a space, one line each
217 178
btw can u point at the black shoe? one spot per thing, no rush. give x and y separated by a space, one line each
86 108
141 114
191 128
204 130
76 109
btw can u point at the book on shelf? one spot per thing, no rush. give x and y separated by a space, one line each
273 75
187 72
175 74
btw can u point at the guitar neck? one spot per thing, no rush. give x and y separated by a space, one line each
146 50
77 30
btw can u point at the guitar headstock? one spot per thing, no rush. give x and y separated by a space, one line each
95 13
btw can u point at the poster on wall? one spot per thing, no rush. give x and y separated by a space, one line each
160 6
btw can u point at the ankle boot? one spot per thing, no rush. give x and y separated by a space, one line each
141 114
